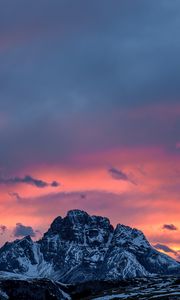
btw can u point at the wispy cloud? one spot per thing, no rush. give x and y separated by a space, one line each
120 175
164 248
168 250
28 180
15 195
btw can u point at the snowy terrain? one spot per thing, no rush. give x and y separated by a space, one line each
159 288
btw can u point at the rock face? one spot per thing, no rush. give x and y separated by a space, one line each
81 248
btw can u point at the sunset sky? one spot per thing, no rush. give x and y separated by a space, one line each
90 115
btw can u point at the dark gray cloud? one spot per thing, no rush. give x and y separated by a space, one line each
170 227
3 229
120 175
55 184
164 248
21 230
65 65
28 180
168 250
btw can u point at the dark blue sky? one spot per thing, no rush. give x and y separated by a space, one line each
68 65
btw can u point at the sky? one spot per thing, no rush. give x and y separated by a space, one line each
90 115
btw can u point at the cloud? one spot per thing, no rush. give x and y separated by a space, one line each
15 195
117 174
170 227
21 230
54 184
120 175
28 180
168 250
3 229
178 255
164 248
118 207
33 84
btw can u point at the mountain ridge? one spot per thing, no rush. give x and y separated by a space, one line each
80 247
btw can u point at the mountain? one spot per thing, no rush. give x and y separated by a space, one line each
81 248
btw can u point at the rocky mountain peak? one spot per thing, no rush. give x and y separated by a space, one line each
77 216
125 235
26 239
80 247
55 227
79 226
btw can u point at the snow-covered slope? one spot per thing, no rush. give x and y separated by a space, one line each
80 247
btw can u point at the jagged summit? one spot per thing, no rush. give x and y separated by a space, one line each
126 235
80 247
55 227
77 214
